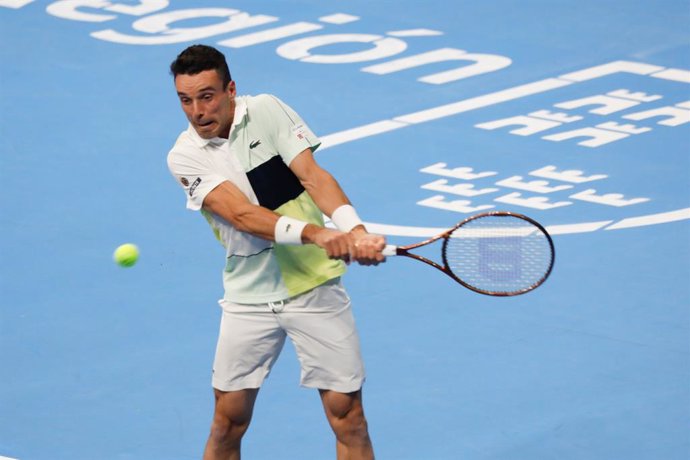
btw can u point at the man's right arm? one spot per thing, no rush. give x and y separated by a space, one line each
228 202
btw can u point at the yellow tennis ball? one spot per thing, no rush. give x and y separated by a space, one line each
126 255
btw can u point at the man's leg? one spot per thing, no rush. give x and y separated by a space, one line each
231 419
346 416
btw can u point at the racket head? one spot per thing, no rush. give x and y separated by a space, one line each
498 253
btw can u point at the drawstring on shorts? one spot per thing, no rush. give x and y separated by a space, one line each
277 307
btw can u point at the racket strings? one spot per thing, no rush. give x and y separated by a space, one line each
499 254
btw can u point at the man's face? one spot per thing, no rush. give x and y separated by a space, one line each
209 107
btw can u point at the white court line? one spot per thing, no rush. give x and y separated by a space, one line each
583 227
483 101
427 232
516 92
441 111
611 68
486 100
651 219
16 4
7 458
674 75
360 132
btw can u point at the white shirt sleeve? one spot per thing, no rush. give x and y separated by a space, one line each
195 175
291 135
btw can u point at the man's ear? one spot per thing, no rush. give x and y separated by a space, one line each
231 88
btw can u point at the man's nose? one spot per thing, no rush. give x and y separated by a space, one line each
197 110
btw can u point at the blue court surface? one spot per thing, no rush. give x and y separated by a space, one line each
576 113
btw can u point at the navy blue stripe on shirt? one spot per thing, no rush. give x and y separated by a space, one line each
274 183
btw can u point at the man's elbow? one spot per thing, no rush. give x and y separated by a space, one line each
241 219
237 216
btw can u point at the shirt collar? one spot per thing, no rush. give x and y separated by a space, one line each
240 113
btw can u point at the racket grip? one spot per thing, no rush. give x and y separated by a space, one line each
390 250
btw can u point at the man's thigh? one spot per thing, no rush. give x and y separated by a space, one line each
322 328
249 342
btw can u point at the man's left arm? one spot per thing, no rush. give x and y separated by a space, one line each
331 199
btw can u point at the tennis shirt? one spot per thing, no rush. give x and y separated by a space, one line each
266 135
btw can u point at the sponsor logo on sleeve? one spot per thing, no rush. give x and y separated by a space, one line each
299 131
194 186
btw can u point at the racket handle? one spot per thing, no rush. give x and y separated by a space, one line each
390 250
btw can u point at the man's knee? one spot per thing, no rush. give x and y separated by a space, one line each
228 431
232 415
346 414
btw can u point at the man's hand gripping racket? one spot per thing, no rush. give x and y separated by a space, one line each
494 253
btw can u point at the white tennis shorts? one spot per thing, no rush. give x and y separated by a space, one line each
319 323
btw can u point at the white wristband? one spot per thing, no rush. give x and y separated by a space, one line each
346 218
289 230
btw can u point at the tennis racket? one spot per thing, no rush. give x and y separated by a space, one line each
495 253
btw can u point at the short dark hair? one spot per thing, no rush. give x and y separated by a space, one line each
197 58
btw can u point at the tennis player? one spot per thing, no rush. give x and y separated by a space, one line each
247 164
